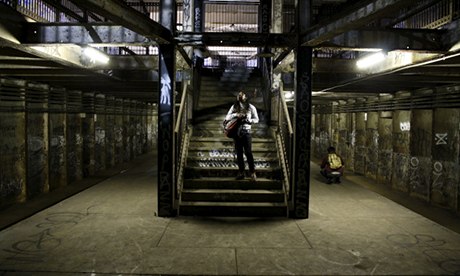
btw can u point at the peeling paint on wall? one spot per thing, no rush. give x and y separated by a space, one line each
74 148
37 154
100 144
420 177
400 178
12 158
57 151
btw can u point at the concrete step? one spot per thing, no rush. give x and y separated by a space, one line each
225 162
212 96
257 145
224 103
218 124
233 209
231 195
228 152
218 133
230 171
210 139
232 183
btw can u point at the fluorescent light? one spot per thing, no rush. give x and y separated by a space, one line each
95 55
370 60
289 95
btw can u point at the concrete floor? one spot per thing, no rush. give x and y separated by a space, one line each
110 229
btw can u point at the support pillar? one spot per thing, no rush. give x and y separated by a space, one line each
198 16
109 132
127 142
100 127
37 139
198 27
420 161
445 148
187 24
57 139
401 148
302 117
118 133
166 176
74 137
265 8
371 144
12 149
87 128
277 16
385 148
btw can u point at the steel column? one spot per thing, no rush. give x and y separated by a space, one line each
166 189
302 117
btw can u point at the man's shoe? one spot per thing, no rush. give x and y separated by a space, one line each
329 181
338 181
240 176
253 176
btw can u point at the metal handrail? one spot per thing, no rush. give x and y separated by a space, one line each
181 108
182 134
282 156
286 113
285 143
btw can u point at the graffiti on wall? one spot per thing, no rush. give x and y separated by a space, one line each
385 138
400 171
404 126
12 156
57 151
372 138
385 166
440 138
420 142
419 176
74 148
444 185
401 142
37 165
118 140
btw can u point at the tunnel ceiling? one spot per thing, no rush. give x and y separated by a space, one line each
418 56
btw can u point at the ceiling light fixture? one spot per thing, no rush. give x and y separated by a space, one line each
370 60
289 95
95 55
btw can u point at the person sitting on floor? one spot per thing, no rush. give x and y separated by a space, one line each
332 166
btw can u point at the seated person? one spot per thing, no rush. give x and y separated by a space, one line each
332 166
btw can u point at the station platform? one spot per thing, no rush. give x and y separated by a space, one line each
109 228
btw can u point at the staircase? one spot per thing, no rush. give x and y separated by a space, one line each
210 187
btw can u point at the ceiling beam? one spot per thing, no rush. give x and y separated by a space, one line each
120 13
349 20
390 39
78 33
237 39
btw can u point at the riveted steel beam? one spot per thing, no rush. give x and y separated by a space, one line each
120 13
390 39
349 20
237 39
77 33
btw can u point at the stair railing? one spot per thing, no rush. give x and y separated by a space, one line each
285 140
182 132
266 82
